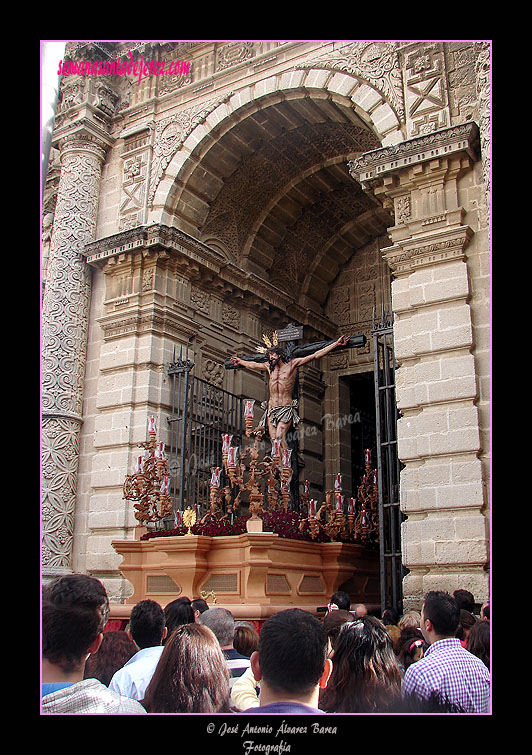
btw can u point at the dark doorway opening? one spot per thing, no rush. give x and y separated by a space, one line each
362 416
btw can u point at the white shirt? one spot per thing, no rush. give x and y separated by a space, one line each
133 678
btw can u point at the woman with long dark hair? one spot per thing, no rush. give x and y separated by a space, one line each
365 676
191 676
176 613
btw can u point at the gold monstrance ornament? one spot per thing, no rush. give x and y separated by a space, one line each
189 519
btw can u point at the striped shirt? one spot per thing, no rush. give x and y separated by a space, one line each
453 673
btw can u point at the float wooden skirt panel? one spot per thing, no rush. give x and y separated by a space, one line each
257 569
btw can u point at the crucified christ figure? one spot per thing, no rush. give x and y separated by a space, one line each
281 411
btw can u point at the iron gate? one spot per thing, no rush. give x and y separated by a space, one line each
388 464
201 413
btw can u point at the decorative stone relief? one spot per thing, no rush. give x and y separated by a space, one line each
200 300
233 53
59 479
213 372
64 333
133 194
230 316
374 62
402 209
483 73
425 89
171 132
340 306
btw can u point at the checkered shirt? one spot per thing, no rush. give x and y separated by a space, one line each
89 696
454 673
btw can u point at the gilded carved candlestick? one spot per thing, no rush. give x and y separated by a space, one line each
149 485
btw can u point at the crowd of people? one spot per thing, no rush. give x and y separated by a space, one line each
189 657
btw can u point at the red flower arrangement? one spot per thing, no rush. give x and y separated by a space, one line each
284 523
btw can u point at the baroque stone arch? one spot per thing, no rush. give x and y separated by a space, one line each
262 165
213 118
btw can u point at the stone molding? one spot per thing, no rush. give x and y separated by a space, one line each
379 162
422 252
207 268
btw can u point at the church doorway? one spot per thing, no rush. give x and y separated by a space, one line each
361 421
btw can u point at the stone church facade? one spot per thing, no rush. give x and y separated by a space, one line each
267 183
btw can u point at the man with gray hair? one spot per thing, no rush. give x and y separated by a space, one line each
222 624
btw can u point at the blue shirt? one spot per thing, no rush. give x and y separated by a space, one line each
49 687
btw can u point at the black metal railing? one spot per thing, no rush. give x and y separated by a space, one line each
201 414
388 464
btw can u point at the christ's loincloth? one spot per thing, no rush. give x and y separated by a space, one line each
276 414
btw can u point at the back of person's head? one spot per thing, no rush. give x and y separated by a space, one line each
114 652
292 652
198 604
75 609
341 599
221 622
359 610
333 621
178 612
485 611
147 623
478 641
246 639
467 622
443 612
465 600
408 633
192 674
410 619
365 674
413 648
390 617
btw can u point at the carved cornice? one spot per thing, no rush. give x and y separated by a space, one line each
440 246
208 268
372 165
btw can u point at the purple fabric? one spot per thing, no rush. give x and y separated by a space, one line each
284 708
454 673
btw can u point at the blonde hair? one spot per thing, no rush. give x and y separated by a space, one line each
410 619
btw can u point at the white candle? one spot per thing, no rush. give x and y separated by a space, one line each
152 427
338 482
287 452
248 409
276 449
215 477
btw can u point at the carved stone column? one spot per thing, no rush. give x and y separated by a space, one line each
430 183
64 335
